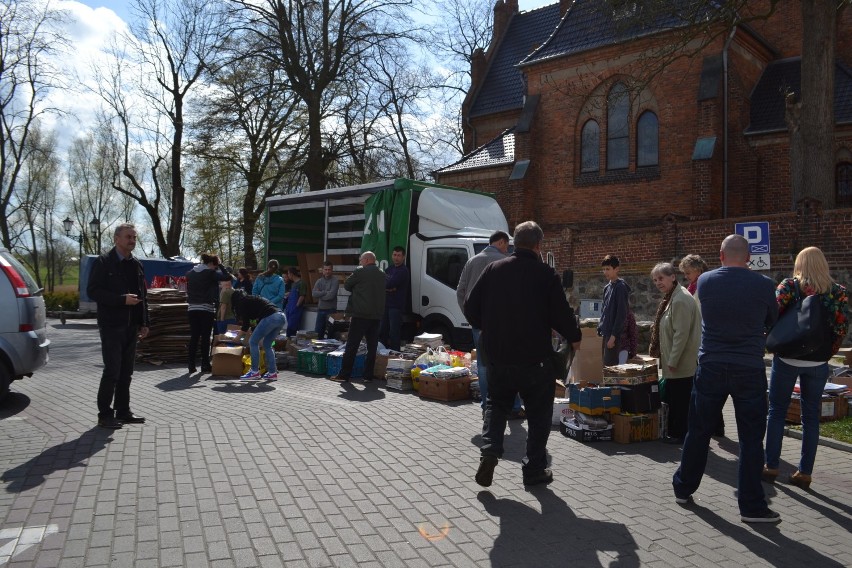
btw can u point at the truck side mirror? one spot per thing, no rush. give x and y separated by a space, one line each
567 278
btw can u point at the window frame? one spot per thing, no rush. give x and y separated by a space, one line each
592 146
843 176
639 139
618 110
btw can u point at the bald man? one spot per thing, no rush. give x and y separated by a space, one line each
737 307
366 306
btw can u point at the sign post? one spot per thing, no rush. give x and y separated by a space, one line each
757 235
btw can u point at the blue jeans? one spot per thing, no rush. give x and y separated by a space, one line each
266 331
811 382
322 322
482 372
391 328
713 383
535 384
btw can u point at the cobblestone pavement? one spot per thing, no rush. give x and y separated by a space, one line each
304 472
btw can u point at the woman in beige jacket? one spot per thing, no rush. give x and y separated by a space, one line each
675 338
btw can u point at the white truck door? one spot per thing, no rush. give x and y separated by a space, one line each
441 270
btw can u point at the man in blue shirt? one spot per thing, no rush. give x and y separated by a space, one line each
396 287
737 307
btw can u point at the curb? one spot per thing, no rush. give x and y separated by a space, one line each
842 446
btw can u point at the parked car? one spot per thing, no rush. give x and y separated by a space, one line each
24 344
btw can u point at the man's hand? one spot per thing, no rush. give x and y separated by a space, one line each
611 343
143 332
131 299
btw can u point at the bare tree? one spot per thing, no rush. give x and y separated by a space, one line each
317 44
253 128
174 42
462 27
26 41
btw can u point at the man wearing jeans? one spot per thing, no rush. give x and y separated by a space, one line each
498 246
517 337
737 306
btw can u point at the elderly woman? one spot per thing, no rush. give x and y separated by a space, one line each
674 339
810 276
692 266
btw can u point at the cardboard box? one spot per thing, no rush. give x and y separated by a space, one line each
641 398
380 367
630 428
561 410
629 374
561 390
846 353
227 361
594 401
831 408
571 429
445 389
587 365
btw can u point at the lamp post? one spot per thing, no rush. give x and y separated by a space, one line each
94 226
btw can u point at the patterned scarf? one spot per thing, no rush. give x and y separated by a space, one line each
654 349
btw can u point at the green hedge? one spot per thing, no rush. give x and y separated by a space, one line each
70 301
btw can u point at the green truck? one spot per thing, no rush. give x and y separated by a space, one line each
440 227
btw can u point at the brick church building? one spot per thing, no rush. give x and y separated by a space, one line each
569 123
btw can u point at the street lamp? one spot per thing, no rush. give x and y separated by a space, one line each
94 226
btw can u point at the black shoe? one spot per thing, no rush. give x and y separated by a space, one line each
192 370
485 473
766 516
368 379
206 370
109 422
130 419
338 379
544 476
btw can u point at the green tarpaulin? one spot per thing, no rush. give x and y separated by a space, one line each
386 215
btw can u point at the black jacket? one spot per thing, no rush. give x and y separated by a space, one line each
202 286
248 308
110 280
516 303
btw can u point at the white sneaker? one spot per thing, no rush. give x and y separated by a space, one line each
270 376
250 376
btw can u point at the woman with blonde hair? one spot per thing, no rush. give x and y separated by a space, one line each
810 276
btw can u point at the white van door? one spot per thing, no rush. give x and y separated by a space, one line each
441 269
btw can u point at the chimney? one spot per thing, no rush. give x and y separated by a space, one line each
477 68
503 12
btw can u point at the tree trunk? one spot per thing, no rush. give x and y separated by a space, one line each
315 163
816 128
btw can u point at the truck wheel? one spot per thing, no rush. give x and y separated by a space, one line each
438 326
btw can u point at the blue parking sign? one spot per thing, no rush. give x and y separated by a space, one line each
757 235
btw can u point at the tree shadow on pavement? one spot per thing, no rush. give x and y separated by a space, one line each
66 455
766 541
368 392
555 536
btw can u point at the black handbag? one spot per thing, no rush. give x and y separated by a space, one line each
803 330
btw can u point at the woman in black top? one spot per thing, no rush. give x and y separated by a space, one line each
243 280
202 294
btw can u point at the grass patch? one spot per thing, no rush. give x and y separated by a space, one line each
840 430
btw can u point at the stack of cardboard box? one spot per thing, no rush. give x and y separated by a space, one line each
639 418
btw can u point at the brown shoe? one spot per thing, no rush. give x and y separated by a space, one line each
769 475
801 480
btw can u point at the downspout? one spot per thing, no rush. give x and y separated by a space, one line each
725 123
473 131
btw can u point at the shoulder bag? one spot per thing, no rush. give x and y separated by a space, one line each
803 330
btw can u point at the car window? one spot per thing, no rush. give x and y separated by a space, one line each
32 286
445 264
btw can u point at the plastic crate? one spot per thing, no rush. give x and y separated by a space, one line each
312 362
335 362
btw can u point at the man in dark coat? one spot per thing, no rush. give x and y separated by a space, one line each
117 284
517 302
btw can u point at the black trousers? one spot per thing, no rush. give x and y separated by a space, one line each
359 329
678 392
535 383
118 347
200 330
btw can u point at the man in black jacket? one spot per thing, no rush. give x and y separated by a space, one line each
117 284
517 302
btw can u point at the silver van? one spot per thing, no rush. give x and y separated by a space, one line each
24 344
